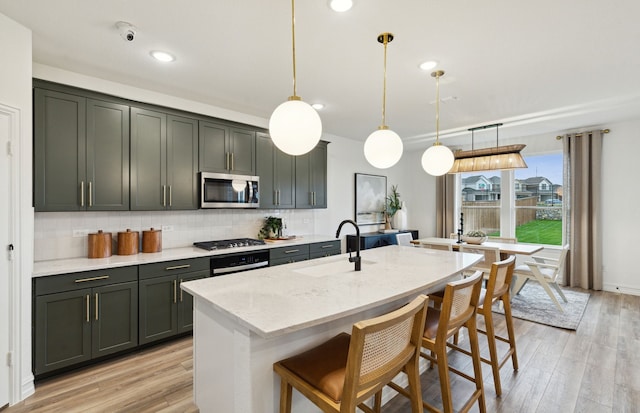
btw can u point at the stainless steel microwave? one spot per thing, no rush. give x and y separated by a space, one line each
229 191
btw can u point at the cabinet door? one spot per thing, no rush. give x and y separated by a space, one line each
114 317
148 160
158 314
107 156
62 334
59 151
185 301
311 178
213 152
276 170
242 148
182 163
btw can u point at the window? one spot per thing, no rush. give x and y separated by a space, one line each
535 212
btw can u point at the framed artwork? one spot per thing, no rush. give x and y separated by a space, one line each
371 195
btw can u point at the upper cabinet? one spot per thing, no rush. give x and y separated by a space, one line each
227 149
276 170
311 178
164 152
81 153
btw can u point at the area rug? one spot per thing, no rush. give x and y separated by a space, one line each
533 304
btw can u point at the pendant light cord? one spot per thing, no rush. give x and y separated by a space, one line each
293 43
437 109
384 83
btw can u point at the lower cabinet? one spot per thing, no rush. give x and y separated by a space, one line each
166 310
303 252
324 249
81 316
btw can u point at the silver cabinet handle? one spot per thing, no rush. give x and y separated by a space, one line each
327 246
232 161
87 306
164 195
175 291
90 195
177 267
278 197
81 193
96 306
170 197
291 251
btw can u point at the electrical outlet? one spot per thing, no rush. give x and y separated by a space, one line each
81 232
167 228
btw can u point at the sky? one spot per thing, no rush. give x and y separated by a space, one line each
549 166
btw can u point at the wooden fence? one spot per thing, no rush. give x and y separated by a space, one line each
485 215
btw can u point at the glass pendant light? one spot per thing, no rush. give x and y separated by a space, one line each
383 148
295 127
438 159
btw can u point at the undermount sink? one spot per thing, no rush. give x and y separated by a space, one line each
337 266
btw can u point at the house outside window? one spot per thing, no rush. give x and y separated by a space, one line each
536 207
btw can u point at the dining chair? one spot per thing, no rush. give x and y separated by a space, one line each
437 245
546 271
340 374
458 308
491 255
404 239
497 290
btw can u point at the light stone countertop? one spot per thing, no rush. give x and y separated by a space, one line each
70 265
277 300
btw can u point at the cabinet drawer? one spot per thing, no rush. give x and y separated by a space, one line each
159 269
287 252
324 249
85 279
288 260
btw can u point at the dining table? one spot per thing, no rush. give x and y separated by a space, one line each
506 248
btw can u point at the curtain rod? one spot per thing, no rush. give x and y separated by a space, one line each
580 134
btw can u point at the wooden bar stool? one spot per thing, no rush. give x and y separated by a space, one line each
343 372
498 290
458 309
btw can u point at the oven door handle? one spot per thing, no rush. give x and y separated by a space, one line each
237 268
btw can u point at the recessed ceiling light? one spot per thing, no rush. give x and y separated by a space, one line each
340 5
162 56
428 65
317 106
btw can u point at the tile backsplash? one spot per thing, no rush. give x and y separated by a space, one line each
61 235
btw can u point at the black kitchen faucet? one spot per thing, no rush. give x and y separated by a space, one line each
356 259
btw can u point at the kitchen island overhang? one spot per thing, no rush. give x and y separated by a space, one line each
244 322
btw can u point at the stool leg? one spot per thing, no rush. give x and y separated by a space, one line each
493 351
443 372
506 299
477 367
413 374
285 396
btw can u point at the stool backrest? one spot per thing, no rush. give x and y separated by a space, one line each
499 280
459 303
380 348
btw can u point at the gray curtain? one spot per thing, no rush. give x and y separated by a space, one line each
445 221
583 224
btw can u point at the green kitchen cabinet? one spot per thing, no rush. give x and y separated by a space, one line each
324 249
226 149
289 254
276 170
81 153
165 310
163 161
311 178
82 316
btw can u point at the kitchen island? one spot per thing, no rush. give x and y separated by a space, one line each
244 322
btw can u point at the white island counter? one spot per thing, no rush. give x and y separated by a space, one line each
244 322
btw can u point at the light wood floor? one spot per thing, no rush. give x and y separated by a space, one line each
593 369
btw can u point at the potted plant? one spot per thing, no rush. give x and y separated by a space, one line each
271 228
474 237
395 209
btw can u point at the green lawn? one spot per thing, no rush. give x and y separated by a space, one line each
540 232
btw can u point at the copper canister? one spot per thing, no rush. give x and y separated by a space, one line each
128 242
100 245
152 240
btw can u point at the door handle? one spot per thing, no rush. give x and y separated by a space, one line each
90 195
81 193
175 291
232 161
164 195
87 306
96 306
170 197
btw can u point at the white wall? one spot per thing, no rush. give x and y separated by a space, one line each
15 91
621 207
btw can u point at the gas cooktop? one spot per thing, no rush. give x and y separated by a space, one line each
228 243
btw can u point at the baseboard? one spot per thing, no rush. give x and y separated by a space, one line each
615 288
28 388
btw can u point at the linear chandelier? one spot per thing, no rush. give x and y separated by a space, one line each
488 159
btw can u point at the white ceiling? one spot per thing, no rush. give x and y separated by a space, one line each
541 67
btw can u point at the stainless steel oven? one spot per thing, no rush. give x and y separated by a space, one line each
235 261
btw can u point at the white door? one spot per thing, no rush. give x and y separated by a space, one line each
6 229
